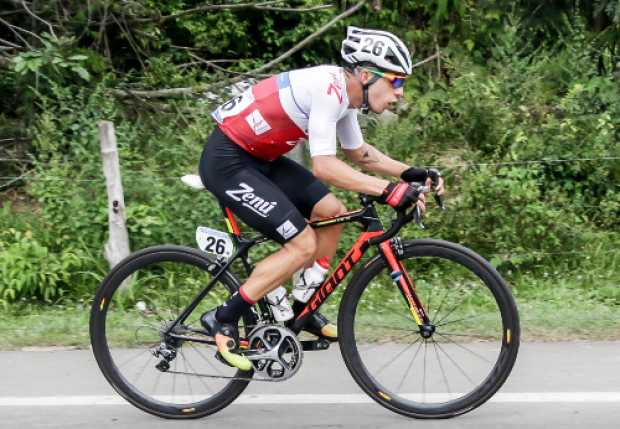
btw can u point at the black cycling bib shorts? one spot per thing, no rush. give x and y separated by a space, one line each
275 198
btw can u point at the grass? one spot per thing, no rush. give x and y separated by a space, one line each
553 309
35 325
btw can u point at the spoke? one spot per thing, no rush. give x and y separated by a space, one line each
147 323
397 355
126 361
392 328
189 383
453 334
443 372
462 371
443 299
459 320
457 305
381 343
141 370
465 348
468 295
196 372
171 316
150 310
424 375
205 358
159 373
409 367
174 379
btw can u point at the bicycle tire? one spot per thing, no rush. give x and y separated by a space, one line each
104 296
469 260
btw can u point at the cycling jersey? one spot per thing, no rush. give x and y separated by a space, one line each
273 116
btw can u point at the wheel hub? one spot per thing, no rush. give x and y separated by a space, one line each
427 331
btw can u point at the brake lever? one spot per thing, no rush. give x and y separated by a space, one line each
434 176
417 216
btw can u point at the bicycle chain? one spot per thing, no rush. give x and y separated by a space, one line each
224 377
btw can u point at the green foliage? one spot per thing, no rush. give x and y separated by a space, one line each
523 105
56 61
531 82
29 270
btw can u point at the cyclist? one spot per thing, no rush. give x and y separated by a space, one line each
243 166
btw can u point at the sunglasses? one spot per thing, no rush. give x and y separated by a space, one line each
396 80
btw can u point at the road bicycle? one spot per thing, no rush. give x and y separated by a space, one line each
427 328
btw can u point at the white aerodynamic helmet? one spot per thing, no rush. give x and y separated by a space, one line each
383 49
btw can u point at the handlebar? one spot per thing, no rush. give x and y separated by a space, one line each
403 217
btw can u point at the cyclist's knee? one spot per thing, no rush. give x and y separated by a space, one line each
303 245
328 206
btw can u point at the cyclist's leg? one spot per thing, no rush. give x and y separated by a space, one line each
239 182
268 274
329 236
313 200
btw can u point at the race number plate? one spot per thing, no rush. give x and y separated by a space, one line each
213 241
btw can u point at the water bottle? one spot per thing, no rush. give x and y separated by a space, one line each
306 281
280 306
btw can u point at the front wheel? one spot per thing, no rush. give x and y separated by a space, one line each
474 324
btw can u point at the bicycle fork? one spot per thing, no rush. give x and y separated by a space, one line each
406 286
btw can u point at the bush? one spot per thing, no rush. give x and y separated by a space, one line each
29 270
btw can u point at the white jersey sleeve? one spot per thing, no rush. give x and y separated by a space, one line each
349 131
325 111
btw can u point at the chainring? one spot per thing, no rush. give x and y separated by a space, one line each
275 352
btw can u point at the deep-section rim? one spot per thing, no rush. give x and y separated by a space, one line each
506 358
113 280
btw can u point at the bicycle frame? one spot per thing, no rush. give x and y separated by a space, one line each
373 234
373 229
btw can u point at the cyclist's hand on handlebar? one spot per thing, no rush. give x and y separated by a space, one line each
435 181
399 195
431 177
422 202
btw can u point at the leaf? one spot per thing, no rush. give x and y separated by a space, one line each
78 57
20 66
82 72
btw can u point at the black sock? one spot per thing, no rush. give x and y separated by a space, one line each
232 310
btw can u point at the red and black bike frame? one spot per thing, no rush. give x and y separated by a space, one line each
373 234
389 248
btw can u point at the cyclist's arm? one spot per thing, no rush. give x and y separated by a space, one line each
330 169
325 121
373 160
362 154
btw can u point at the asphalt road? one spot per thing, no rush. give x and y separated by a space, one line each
553 385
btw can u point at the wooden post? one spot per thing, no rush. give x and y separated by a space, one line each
117 246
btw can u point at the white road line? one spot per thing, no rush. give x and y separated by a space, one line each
536 397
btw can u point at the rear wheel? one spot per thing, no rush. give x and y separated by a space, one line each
474 322
166 376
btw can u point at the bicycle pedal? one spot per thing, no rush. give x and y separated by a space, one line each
311 345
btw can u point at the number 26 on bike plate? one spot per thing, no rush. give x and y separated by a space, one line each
213 241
